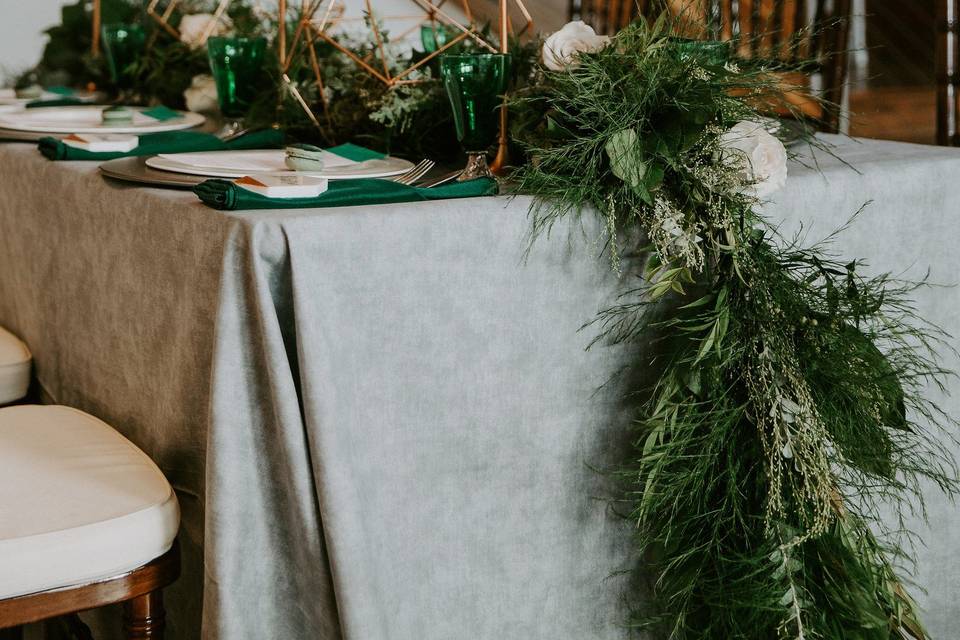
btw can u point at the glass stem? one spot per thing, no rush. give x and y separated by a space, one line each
477 167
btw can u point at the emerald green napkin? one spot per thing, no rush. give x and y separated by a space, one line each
55 102
223 194
60 90
167 142
161 113
356 153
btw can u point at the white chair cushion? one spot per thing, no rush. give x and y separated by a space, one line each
78 501
14 367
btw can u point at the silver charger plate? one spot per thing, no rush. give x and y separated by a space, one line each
135 170
9 135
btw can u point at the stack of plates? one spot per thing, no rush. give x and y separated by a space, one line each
188 169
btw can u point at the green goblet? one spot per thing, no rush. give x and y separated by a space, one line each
434 35
475 84
237 66
711 52
123 45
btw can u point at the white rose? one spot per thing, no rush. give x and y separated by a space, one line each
194 26
761 157
201 95
560 49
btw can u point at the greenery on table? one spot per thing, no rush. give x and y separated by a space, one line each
786 410
66 58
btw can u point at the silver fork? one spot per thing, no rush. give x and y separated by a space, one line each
414 174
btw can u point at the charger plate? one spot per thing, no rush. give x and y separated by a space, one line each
83 119
135 169
236 164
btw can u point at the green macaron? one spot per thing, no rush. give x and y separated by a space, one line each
304 157
117 116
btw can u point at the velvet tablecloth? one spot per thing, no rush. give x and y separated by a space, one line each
382 422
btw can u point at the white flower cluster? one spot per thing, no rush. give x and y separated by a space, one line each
671 235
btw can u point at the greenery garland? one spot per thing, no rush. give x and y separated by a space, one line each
787 398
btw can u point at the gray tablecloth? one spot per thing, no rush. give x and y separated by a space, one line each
381 422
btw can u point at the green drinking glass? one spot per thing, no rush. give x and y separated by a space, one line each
237 66
123 45
711 52
434 36
475 84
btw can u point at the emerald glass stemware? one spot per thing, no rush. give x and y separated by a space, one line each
434 35
123 44
237 65
475 84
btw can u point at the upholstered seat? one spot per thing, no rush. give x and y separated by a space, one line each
15 362
78 501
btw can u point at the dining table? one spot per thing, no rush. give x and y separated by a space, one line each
391 422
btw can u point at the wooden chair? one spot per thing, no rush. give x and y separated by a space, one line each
948 72
86 520
787 30
140 591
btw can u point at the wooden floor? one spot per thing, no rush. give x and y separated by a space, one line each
907 114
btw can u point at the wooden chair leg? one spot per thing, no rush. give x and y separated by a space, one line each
144 617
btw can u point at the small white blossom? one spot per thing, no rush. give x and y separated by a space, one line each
673 238
201 95
561 49
700 73
193 28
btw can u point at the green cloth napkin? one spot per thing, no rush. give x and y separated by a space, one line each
223 194
55 102
161 113
60 90
356 153
168 142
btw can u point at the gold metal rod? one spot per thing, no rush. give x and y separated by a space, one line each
376 34
208 31
95 36
444 17
433 55
306 14
303 103
282 32
350 54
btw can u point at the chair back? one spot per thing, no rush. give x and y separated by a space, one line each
787 30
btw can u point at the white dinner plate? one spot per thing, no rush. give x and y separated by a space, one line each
89 120
8 97
236 164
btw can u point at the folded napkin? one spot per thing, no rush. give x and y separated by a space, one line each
223 194
161 113
55 102
168 142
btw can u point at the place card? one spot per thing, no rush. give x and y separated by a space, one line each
283 185
108 142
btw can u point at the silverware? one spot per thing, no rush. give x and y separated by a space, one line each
233 135
414 174
436 182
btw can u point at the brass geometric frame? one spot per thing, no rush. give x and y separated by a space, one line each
163 19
